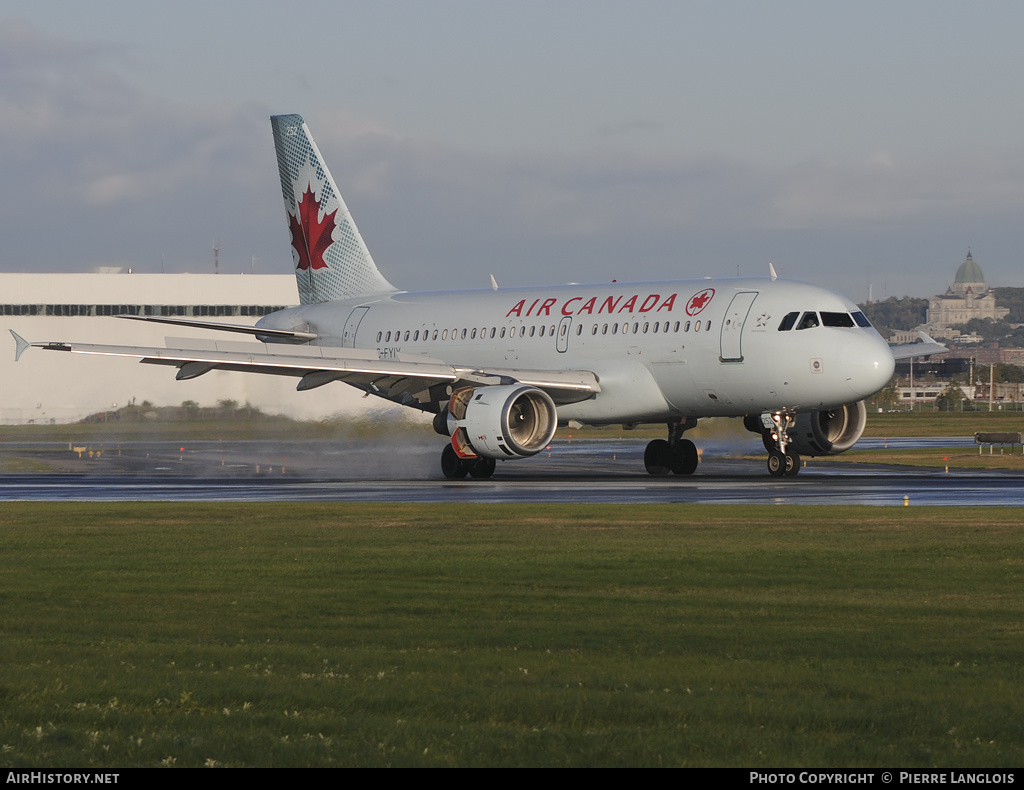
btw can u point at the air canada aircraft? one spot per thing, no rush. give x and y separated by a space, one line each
501 368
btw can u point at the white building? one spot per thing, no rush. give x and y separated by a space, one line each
968 298
47 386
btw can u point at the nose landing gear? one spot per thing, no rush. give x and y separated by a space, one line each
783 460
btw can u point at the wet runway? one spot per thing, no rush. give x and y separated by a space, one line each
581 471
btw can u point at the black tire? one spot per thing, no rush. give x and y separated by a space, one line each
685 458
776 463
792 463
658 458
452 467
482 468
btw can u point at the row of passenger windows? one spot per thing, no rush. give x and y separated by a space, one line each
810 319
484 333
202 310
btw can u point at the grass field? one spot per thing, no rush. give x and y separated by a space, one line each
292 634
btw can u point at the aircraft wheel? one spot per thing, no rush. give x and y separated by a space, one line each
792 463
776 463
452 467
685 458
658 457
482 468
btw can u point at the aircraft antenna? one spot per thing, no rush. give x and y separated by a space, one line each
216 258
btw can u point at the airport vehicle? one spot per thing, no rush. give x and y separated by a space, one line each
501 368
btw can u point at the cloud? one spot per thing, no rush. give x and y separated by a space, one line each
97 171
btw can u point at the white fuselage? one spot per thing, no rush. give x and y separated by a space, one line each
660 350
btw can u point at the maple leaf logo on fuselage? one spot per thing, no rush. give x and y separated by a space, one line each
311 236
699 301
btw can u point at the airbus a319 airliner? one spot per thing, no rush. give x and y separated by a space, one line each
501 368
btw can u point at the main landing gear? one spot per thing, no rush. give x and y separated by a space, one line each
455 468
783 460
676 455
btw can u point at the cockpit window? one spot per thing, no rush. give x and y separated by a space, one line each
861 319
788 321
809 321
836 319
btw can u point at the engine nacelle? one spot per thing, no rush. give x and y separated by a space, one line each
829 432
514 421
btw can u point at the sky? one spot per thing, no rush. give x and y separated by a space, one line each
852 145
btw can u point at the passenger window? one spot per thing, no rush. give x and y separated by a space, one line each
788 321
406 335
707 326
378 336
696 326
809 321
444 335
686 327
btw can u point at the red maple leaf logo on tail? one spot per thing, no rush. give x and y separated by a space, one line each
311 236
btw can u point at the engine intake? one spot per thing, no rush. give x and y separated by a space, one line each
829 432
514 421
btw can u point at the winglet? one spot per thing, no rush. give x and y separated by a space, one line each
21 345
771 272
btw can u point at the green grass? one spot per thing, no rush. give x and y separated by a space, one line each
938 423
936 457
292 634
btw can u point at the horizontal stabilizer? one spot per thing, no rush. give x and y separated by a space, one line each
283 334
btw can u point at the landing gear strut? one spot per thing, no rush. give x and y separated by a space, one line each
783 460
676 455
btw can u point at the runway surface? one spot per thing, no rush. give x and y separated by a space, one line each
580 471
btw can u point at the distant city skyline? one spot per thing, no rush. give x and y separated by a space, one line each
851 146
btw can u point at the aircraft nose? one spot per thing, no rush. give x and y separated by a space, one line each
868 364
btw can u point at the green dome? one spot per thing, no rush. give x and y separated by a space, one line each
969 271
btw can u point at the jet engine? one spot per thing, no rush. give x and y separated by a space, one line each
829 432
508 421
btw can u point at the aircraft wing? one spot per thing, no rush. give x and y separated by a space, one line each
408 379
921 349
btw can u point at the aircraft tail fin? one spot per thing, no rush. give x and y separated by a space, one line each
331 259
